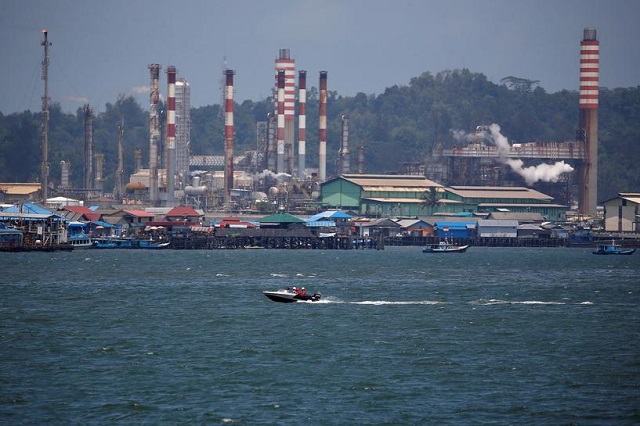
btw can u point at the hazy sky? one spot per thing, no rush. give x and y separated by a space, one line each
101 48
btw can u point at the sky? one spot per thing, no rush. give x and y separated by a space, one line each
101 49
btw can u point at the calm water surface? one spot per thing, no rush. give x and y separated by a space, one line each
492 336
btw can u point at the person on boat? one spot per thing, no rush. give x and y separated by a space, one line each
303 292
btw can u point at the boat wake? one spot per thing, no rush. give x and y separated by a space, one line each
485 302
326 300
388 302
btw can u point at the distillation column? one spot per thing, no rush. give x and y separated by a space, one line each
88 148
322 128
280 131
302 122
154 133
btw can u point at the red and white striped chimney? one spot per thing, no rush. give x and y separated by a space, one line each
589 69
588 121
171 134
280 132
302 122
228 134
322 128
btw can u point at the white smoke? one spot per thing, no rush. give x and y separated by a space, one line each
532 174
76 99
140 90
461 136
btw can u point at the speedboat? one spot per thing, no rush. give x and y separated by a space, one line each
613 248
290 296
445 247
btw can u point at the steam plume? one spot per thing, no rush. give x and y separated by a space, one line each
532 174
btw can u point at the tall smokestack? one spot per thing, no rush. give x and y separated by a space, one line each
99 180
322 127
64 174
137 160
228 135
88 147
118 192
44 144
285 63
170 158
270 149
154 132
361 159
344 159
588 120
302 122
280 132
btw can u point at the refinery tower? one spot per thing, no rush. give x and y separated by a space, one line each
588 121
285 109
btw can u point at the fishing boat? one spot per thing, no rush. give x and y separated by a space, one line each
445 247
79 235
290 296
128 243
612 247
80 241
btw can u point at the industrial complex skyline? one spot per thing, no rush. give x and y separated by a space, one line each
101 50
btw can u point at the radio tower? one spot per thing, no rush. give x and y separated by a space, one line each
44 166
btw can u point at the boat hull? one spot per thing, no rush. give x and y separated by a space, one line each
619 252
448 249
283 296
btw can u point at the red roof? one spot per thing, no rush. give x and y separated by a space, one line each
89 214
183 211
139 213
234 222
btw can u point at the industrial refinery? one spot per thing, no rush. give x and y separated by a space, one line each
277 177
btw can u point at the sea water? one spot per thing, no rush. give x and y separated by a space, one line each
491 336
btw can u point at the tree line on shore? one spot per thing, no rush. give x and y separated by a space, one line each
402 124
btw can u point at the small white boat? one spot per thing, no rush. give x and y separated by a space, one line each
290 296
445 247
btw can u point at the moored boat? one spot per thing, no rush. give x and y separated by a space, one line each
445 247
80 241
612 247
290 296
128 243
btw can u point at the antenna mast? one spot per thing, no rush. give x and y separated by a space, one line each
44 167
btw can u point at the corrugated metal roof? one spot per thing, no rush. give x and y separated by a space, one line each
395 200
498 222
19 188
515 192
391 181
540 205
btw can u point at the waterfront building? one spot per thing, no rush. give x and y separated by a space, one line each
622 213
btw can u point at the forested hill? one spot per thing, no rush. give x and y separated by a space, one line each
401 124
